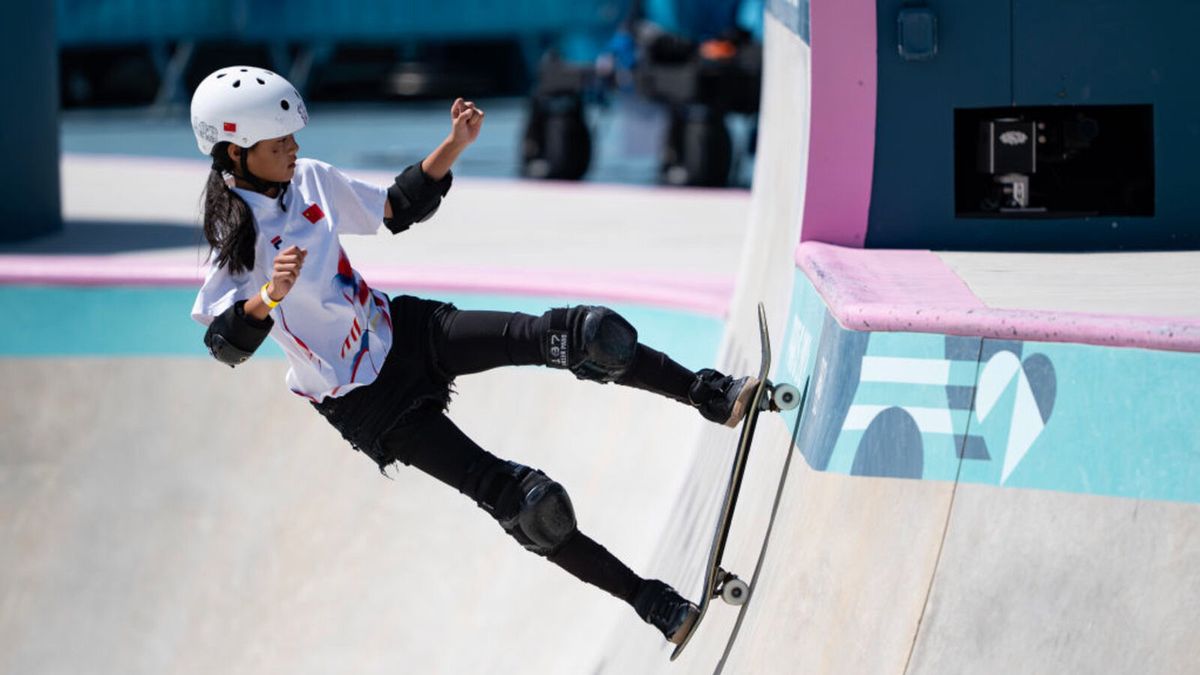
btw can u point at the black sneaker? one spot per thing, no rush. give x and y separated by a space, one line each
660 606
720 398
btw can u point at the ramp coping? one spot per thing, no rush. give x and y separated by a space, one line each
915 291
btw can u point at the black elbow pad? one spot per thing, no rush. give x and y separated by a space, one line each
233 337
415 197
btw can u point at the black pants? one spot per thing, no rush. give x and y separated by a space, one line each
467 342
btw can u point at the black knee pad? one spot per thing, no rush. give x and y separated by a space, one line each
594 343
532 508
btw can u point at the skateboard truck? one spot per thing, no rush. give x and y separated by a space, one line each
780 397
730 588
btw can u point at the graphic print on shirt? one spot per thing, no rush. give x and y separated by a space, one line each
359 295
313 358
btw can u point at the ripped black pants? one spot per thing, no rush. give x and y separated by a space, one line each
465 342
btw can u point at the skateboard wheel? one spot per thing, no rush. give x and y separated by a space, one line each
785 396
735 591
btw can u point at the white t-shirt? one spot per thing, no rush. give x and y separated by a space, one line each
335 330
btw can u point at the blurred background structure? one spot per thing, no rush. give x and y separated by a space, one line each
557 67
129 52
29 201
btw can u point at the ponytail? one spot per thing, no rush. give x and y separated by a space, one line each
228 222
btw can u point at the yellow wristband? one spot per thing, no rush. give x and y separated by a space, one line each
262 293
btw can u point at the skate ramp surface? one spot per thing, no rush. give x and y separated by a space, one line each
986 476
995 468
167 514
948 503
163 513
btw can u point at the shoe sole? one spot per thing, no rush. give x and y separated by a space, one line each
688 624
742 403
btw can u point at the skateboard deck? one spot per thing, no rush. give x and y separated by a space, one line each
718 582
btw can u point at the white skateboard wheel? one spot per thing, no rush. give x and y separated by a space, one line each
735 592
785 396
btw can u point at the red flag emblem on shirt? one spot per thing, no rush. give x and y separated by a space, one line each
313 213
230 127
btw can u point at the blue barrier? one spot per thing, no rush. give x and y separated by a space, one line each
375 19
88 22
84 22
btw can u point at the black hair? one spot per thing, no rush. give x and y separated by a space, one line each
228 221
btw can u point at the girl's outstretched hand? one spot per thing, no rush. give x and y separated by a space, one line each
285 271
467 121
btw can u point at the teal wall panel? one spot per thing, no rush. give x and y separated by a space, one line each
53 321
1074 418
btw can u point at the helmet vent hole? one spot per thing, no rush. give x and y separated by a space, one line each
284 104
220 75
260 80
237 83
244 70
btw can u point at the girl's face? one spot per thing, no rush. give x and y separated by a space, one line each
273 160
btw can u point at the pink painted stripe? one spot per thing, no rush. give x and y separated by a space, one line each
914 291
89 270
703 295
841 155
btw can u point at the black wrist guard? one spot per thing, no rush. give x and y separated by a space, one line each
233 336
415 197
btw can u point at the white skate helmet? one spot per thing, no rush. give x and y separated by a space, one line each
244 105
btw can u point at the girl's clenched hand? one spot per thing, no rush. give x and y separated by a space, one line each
285 271
467 121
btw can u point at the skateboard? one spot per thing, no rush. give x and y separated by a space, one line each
719 583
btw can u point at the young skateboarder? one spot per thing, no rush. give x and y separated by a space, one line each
379 369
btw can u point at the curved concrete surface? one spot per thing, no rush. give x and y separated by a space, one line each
167 515
983 496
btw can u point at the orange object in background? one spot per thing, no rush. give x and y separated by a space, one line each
718 50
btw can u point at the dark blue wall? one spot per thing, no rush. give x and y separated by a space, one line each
995 53
29 198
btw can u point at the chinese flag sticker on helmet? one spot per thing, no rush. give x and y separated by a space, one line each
244 105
